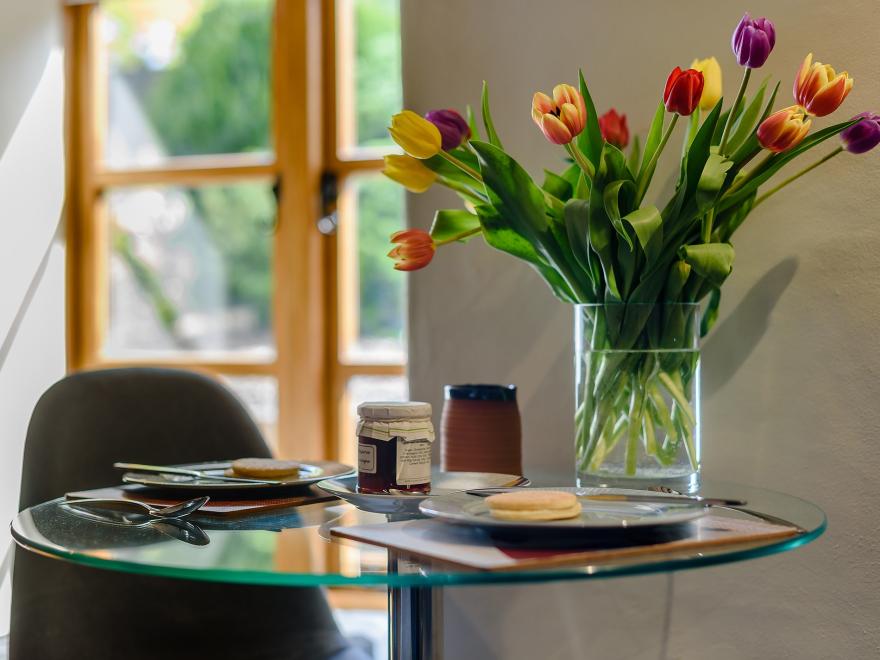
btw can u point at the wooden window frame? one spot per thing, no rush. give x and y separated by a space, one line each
343 163
311 371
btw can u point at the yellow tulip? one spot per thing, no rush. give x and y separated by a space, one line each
711 71
409 172
416 135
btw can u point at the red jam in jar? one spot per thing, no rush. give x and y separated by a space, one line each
394 447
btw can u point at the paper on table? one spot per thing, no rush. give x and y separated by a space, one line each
471 548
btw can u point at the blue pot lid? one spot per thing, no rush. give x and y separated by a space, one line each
472 392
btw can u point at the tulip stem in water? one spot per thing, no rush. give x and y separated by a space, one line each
732 114
797 176
467 169
579 158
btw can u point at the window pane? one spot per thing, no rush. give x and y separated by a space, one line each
372 295
358 390
259 394
184 77
190 270
368 71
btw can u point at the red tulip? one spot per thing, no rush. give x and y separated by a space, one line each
683 91
414 249
614 128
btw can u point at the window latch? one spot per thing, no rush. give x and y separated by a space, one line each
329 220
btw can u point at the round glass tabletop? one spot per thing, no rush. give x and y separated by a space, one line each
296 548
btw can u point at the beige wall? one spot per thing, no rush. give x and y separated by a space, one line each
31 248
790 372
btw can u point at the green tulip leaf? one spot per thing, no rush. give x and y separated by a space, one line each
512 191
648 227
521 204
675 281
577 218
583 187
729 221
746 123
500 236
601 234
711 181
777 161
611 200
691 131
449 171
494 140
712 261
590 140
652 143
699 151
751 146
557 186
635 153
472 122
454 225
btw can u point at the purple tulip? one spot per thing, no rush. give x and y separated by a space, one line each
453 127
863 136
753 40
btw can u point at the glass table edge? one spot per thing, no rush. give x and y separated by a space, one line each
470 578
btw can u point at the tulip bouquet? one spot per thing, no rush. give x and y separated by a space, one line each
636 268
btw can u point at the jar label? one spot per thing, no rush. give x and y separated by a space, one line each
413 462
366 458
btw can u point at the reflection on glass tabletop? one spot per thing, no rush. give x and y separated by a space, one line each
295 547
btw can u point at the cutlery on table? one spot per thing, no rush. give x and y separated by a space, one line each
196 474
123 506
621 497
732 505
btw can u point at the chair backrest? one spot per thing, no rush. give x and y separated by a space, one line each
63 611
89 420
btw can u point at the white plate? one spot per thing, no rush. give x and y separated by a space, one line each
464 509
310 472
442 483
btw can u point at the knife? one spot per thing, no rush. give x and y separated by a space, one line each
162 469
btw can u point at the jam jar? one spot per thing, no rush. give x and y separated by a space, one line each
394 446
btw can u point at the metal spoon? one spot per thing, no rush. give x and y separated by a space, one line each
180 510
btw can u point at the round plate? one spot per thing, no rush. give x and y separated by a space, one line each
464 509
442 483
310 472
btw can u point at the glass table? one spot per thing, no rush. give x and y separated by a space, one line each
295 548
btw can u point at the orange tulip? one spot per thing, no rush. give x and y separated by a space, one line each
562 117
414 249
784 129
819 89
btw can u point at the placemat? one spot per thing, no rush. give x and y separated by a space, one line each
216 506
472 548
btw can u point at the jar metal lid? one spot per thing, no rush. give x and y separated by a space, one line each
394 410
473 392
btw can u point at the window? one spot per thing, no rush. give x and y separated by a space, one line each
226 211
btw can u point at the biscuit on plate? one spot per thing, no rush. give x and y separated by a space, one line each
534 505
265 468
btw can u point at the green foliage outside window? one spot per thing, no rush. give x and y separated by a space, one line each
215 97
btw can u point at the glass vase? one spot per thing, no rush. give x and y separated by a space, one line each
637 395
